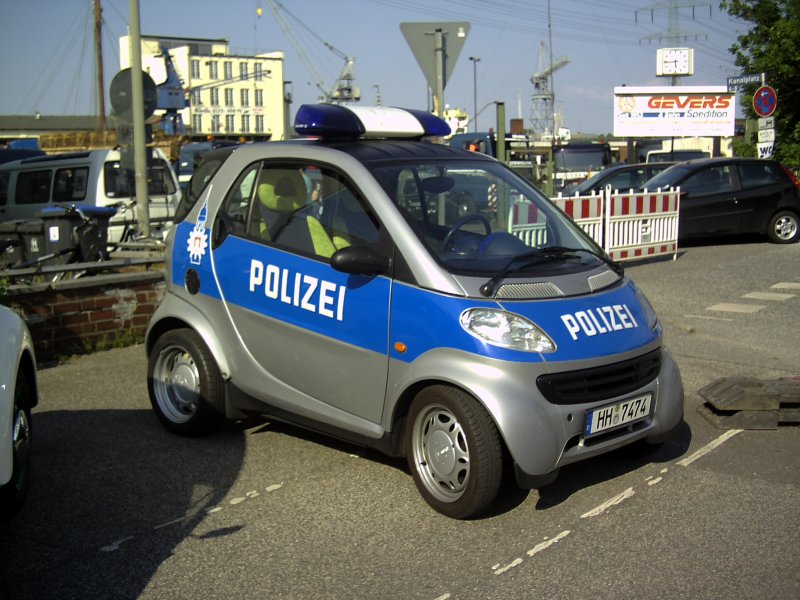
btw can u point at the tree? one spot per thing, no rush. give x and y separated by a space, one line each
772 46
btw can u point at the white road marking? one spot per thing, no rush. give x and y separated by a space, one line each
709 447
785 285
168 523
769 296
546 544
514 563
599 510
707 318
737 308
115 545
112 547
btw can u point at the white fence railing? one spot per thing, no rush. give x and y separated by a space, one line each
628 226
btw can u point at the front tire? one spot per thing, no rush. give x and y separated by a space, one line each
454 452
185 385
783 228
14 492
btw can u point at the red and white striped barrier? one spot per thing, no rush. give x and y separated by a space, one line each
586 211
642 225
628 226
524 223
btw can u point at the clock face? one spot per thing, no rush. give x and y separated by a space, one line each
675 61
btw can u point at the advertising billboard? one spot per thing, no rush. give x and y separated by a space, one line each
701 111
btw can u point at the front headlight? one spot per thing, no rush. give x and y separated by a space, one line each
505 329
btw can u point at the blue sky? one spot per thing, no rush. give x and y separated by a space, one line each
48 64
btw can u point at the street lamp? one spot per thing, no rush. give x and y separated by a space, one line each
475 60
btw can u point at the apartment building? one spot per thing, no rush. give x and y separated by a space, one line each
230 95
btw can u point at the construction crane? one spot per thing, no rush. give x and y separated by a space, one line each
343 90
543 98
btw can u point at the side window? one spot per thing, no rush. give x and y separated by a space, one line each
4 179
70 184
712 180
758 174
309 209
33 187
238 201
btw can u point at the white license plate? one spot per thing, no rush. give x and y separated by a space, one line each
613 415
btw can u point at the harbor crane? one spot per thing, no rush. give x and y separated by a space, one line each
344 89
543 98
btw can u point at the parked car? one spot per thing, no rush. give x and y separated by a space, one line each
94 177
364 308
18 395
655 156
722 196
622 177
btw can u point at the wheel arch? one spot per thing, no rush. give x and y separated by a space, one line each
187 318
399 420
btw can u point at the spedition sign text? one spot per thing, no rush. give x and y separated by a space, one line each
674 111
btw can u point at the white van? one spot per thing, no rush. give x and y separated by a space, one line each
94 177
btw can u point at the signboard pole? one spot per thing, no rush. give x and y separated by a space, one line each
440 68
139 143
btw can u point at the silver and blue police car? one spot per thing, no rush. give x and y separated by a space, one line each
408 296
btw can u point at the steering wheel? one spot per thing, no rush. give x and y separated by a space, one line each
459 224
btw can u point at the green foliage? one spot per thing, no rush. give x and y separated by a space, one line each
744 149
772 46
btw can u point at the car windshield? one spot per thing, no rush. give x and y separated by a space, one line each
474 216
667 178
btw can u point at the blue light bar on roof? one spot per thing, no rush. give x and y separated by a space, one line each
332 121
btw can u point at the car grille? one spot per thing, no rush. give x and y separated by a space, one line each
600 383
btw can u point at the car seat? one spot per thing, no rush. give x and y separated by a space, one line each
283 192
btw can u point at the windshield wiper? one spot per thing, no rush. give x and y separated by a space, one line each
535 256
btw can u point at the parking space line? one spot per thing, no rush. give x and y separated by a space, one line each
650 480
709 447
736 308
771 296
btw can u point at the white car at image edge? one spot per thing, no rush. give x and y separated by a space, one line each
18 396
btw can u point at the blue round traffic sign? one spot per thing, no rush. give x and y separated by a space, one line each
765 100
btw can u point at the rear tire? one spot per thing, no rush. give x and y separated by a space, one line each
185 385
454 452
14 492
783 228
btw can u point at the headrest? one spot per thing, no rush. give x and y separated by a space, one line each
282 190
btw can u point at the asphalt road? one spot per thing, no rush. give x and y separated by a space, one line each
119 508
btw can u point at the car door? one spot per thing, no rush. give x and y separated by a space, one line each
762 186
708 205
317 337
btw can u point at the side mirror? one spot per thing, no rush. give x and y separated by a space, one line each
360 260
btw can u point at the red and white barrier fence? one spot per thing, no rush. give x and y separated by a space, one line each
628 226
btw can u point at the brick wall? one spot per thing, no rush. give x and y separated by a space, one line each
88 314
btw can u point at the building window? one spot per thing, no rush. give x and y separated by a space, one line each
243 71
259 97
215 97
244 97
228 69
259 124
258 71
195 69
230 127
214 123
228 96
245 123
197 98
197 123
213 70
